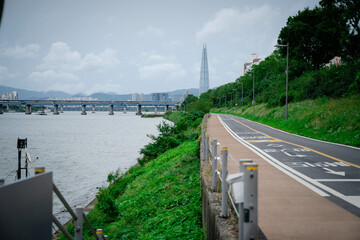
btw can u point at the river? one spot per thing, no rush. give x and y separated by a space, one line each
80 150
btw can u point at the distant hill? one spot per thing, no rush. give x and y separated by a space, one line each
27 94
109 97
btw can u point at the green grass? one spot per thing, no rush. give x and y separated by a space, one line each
333 120
153 115
161 202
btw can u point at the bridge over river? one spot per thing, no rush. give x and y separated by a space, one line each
83 104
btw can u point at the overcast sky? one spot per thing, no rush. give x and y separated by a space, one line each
132 46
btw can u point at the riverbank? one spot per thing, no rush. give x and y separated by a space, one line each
333 120
160 197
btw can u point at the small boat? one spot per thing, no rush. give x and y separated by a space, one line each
42 112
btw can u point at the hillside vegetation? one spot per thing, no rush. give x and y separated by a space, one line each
159 198
334 120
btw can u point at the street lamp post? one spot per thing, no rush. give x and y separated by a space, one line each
253 101
231 100
287 74
242 94
236 97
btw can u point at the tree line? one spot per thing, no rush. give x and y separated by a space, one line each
315 36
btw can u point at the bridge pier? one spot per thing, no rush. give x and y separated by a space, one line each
166 108
111 109
124 108
1 111
138 109
27 109
93 108
56 108
83 109
61 109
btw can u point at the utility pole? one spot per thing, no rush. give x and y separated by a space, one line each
242 94
21 144
236 96
253 101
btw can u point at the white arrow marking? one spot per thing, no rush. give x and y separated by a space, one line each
334 172
284 151
274 145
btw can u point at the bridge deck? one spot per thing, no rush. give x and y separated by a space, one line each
288 209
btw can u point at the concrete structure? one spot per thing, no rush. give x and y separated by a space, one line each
254 60
138 109
83 109
184 96
10 96
138 97
56 111
204 72
111 109
335 61
160 97
28 109
75 103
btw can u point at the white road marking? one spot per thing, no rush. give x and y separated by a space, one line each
282 167
290 155
337 180
334 172
274 145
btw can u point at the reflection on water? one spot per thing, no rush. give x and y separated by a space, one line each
79 150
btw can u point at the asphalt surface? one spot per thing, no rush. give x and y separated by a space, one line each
331 170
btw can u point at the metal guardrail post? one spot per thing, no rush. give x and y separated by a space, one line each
99 234
242 162
214 163
241 205
250 201
79 224
224 186
206 152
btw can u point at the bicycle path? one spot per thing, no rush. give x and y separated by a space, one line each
287 208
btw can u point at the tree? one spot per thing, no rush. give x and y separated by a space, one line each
189 99
314 36
350 12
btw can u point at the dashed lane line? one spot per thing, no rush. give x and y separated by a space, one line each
294 144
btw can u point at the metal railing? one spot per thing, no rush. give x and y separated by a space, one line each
78 217
240 188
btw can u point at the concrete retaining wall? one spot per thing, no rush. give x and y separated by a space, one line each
215 226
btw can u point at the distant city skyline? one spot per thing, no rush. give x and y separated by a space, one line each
134 46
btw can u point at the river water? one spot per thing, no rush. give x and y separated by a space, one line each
80 150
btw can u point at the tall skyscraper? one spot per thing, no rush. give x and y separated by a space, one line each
204 72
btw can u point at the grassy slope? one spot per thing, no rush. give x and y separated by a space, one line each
334 120
160 201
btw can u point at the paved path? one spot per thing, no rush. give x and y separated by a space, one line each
287 208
